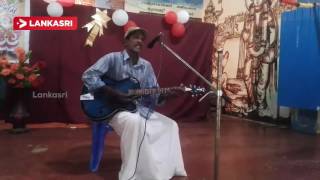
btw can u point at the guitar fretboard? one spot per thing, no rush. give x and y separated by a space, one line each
141 92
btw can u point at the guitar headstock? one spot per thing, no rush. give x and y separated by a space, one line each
194 90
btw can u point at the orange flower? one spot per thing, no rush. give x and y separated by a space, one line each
19 76
27 69
2 65
5 72
21 54
14 67
32 77
4 61
12 81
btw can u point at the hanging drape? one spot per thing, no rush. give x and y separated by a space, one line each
299 69
67 58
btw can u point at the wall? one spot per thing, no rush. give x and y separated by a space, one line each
248 31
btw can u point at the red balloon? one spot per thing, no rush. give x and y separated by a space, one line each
66 3
290 2
129 25
171 17
178 30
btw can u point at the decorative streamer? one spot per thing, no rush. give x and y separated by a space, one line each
300 4
307 5
95 27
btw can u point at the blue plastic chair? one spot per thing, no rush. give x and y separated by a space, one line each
99 131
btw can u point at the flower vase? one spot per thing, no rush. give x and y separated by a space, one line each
19 109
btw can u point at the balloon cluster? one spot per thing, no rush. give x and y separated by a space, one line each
121 18
55 7
177 20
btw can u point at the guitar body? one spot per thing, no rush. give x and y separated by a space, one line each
101 108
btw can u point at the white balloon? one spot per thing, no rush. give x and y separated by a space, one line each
183 16
48 1
55 9
120 17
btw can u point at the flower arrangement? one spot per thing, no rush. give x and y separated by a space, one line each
21 74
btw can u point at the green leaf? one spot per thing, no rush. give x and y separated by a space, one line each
28 55
27 84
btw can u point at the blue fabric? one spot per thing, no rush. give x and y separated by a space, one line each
99 131
308 1
299 68
117 66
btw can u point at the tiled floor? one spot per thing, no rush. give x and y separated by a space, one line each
249 151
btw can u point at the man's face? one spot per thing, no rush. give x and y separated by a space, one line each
135 42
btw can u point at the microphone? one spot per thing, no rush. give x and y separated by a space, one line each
154 40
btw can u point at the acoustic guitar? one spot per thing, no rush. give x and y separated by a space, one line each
99 107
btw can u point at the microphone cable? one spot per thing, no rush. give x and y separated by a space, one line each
144 134
149 111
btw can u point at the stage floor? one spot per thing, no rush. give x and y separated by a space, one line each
249 151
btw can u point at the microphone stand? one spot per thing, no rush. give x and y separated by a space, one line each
217 92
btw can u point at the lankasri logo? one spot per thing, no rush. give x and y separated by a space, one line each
45 23
22 23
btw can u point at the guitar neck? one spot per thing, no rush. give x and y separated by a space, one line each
142 92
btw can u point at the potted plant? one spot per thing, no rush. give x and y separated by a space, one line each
20 78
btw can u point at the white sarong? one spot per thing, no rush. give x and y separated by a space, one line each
160 156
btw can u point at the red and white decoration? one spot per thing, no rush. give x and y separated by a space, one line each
177 20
